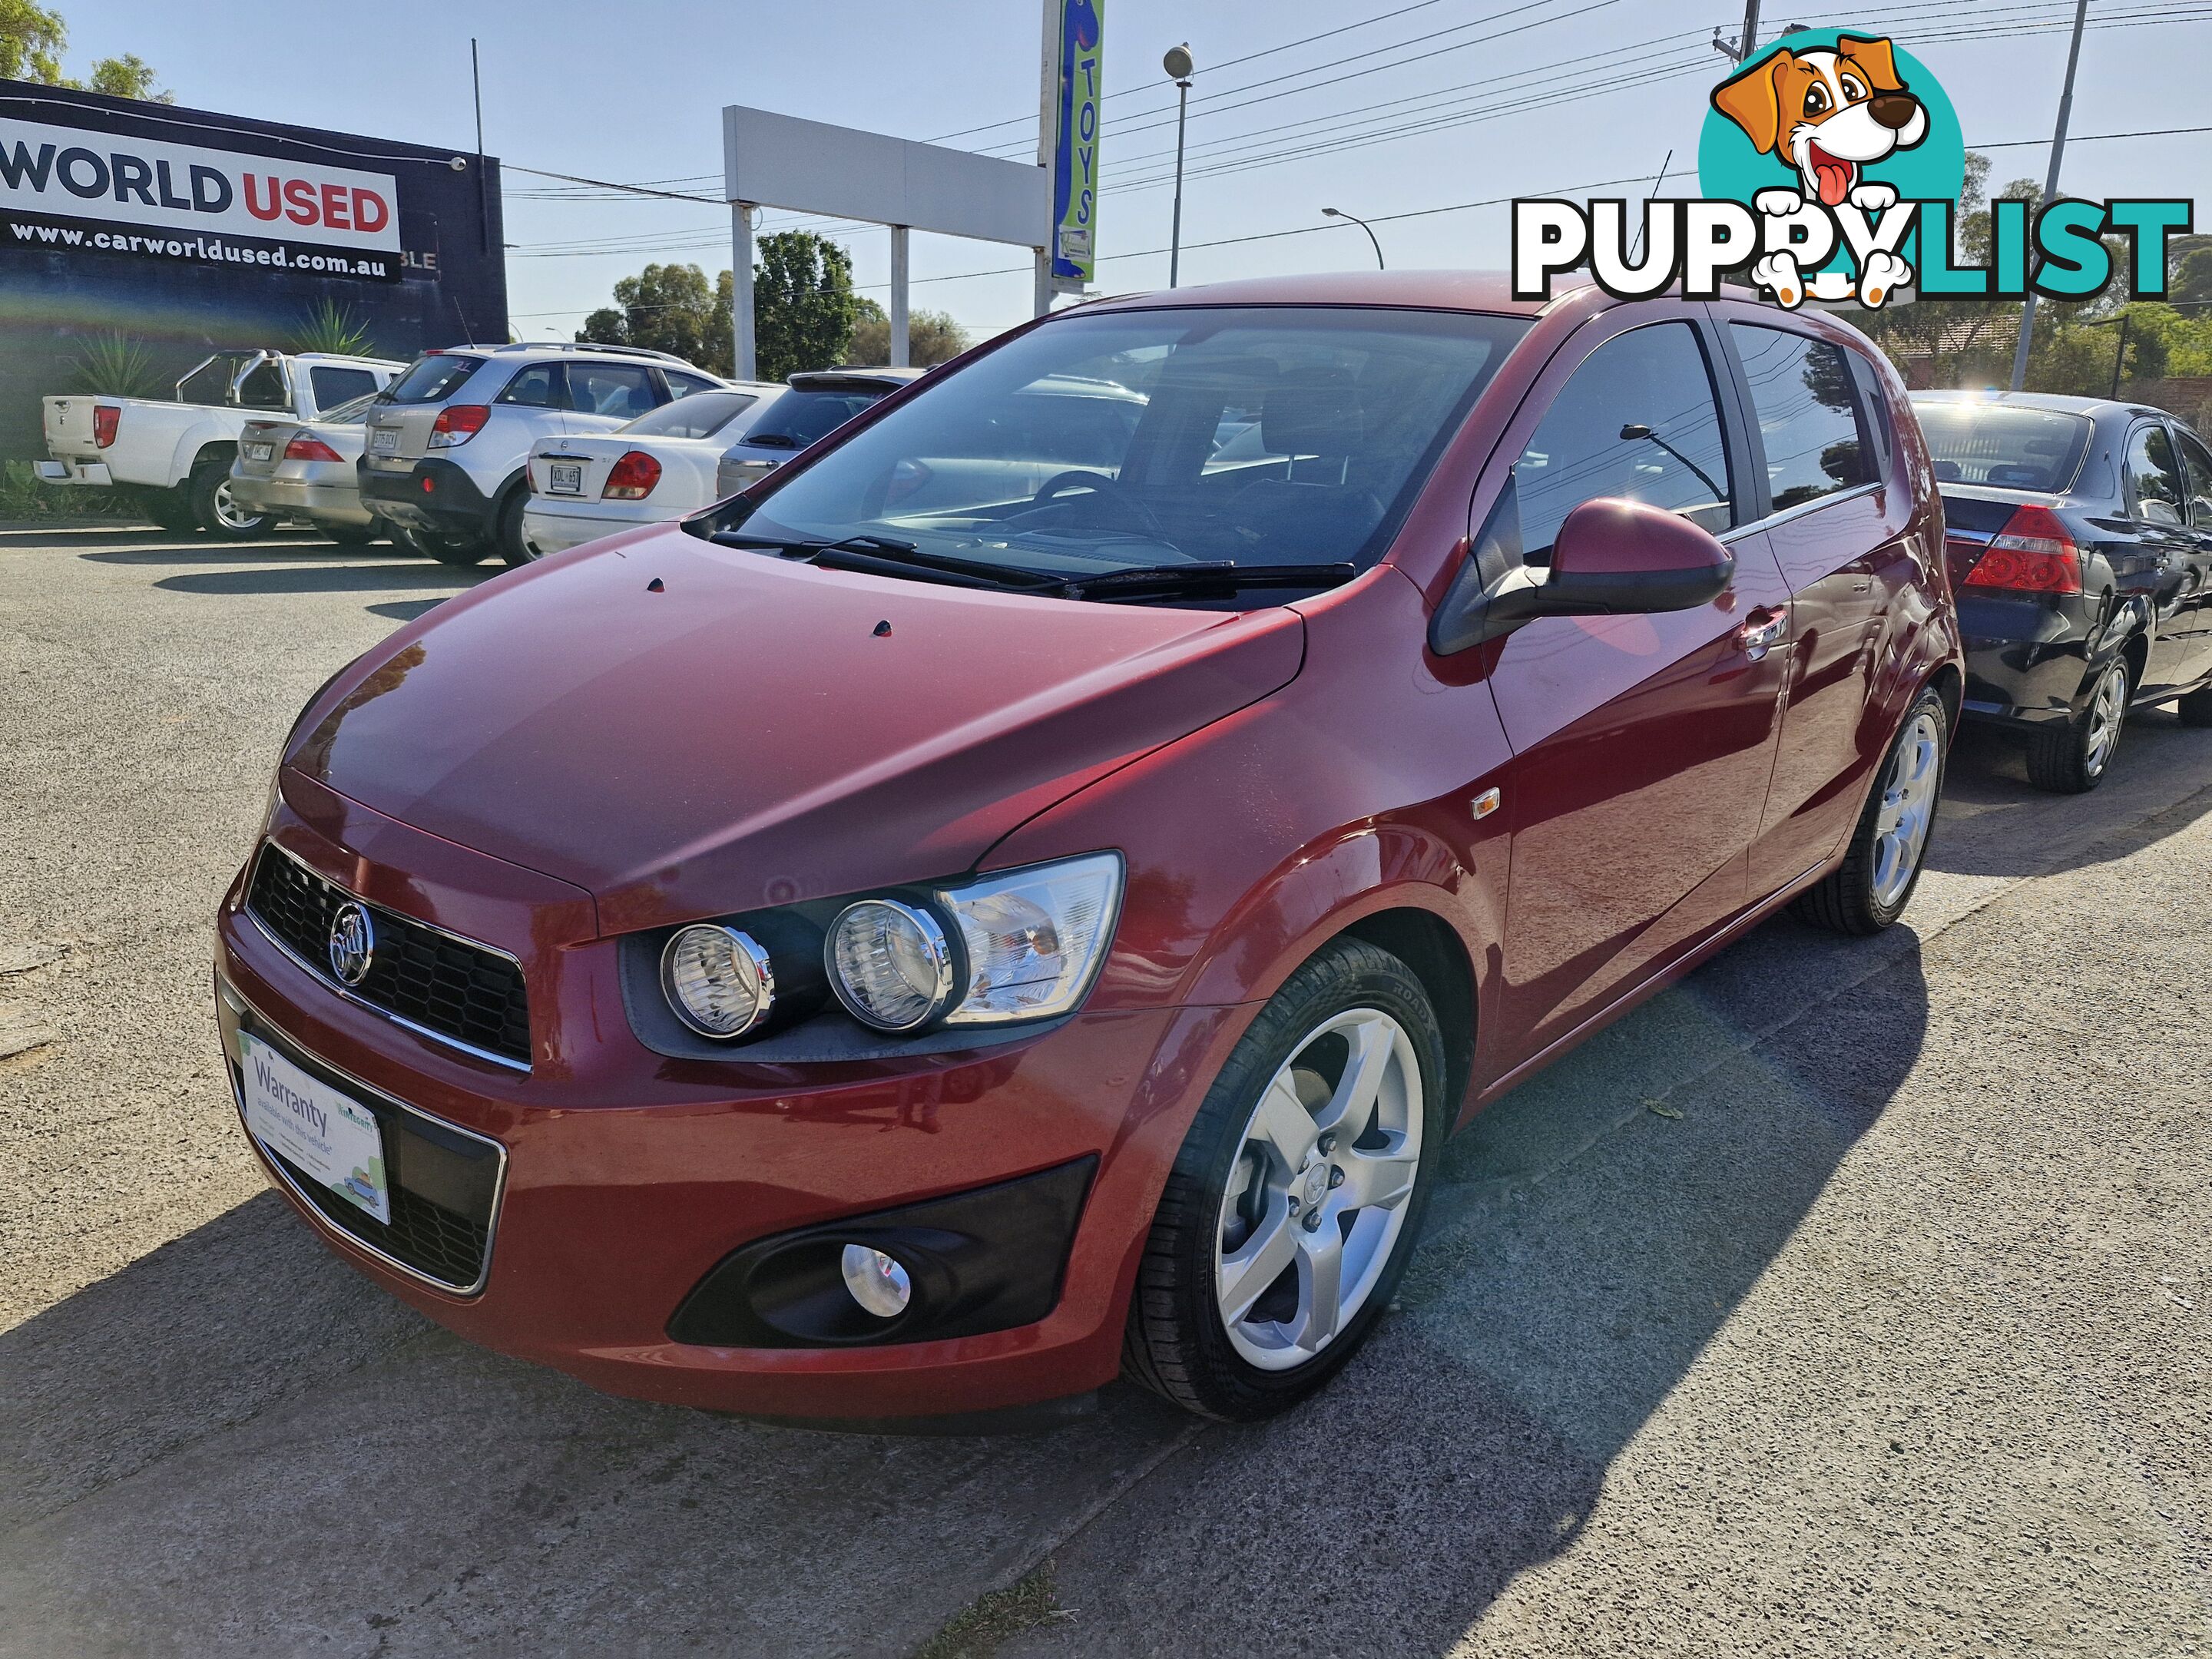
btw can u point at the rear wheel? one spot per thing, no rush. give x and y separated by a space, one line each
1871 887
172 509
513 547
2071 758
1294 1202
216 508
459 553
2196 709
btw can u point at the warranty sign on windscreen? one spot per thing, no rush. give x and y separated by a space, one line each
78 188
1075 153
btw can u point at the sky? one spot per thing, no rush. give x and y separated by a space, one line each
1399 108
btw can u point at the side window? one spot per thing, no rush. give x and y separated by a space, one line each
1637 419
2153 476
538 387
333 386
1874 410
683 386
264 388
621 391
2198 460
1809 420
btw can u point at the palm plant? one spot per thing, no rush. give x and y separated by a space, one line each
112 365
333 328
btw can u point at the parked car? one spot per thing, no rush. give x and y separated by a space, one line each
837 959
304 470
177 455
449 441
659 466
815 405
2079 539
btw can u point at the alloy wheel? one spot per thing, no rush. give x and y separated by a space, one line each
2108 708
227 513
1327 1164
1908 808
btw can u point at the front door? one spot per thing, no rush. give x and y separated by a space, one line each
2156 497
1642 743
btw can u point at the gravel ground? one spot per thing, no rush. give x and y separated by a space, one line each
1851 1298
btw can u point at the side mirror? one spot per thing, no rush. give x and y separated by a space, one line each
1611 558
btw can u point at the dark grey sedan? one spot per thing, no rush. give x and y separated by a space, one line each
2078 534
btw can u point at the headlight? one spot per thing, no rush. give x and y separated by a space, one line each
890 964
717 981
1034 938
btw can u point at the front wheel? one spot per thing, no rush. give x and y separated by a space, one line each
1295 1199
2196 709
2071 758
513 546
217 510
1871 887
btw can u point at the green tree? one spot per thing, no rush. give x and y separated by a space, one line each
32 40
804 311
669 308
931 337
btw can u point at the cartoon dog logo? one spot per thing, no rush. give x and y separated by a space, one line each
1829 115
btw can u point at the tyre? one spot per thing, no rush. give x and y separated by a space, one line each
2071 758
508 536
1871 887
349 535
1297 1193
172 509
215 510
460 554
2196 709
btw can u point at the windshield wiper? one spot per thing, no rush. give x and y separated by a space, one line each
1208 576
886 555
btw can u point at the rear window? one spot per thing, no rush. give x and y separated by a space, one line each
702 414
335 386
432 379
798 418
1806 403
2003 447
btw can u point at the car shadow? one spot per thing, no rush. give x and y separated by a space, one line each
1594 1231
75 537
405 611
322 578
183 552
1993 822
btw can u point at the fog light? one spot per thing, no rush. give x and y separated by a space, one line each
876 1281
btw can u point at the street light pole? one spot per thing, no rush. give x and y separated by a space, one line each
2049 191
1178 62
1339 213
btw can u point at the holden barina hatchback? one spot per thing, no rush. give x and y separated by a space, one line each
917 939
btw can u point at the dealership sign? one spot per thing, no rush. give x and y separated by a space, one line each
1075 146
74 188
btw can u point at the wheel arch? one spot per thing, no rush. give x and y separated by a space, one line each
1432 948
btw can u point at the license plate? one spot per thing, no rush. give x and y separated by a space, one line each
333 1139
385 441
259 452
567 478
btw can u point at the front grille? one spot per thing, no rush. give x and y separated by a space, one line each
427 978
428 1237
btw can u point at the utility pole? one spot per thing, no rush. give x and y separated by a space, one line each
2050 191
1749 39
1048 138
741 288
483 190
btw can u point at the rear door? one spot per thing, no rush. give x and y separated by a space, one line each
1838 529
1643 744
2196 474
2155 496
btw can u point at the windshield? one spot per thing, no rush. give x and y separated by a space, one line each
1260 435
431 379
702 414
2004 448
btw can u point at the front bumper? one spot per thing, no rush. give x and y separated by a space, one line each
323 491
435 496
631 1177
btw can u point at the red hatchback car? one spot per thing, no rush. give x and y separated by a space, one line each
1024 893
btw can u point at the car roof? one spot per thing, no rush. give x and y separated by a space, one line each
855 380
585 348
1430 290
2051 401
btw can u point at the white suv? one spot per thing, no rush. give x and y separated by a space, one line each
449 440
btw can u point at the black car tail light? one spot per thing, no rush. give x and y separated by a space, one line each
2032 554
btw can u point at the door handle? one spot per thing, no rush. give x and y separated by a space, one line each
1761 631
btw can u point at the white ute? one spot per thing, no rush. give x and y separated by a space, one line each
177 455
